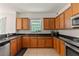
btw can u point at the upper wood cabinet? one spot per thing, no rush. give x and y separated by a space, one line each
26 24
22 23
62 21
52 23
68 14
75 7
46 24
57 23
18 23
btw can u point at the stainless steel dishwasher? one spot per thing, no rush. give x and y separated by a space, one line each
4 48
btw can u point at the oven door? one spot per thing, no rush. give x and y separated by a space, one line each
75 21
71 50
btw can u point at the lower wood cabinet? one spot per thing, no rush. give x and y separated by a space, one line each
41 42
59 46
19 44
26 42
13 47
33 42
62 48
49 42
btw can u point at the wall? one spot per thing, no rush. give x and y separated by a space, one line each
10 15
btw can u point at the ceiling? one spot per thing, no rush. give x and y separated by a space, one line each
36 8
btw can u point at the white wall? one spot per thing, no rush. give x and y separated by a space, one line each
10 15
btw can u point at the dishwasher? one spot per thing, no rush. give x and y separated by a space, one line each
5 49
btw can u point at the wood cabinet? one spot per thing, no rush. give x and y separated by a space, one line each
62 48
75 8
57 23
33 42
62 21
68 14
46 23
26 24
41 42
18 23
49 42
52 23
13 47
59 46
54 42
19 44
26 41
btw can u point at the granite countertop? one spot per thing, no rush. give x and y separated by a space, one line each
8 39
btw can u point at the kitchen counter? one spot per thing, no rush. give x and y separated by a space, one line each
7 39
68 39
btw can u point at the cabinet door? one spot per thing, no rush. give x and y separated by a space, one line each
13 47
62 48
62 21
19 44
54 43
26 42
57 23
52 23
68 14
48 42
75 7
18 23
26 23
58 45
41 42
46 23
33 42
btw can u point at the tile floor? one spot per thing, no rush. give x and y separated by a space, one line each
40 52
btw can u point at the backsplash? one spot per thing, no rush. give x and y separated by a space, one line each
29 31
73 32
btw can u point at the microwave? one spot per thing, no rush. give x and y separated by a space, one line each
75 21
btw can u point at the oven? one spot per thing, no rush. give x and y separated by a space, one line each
71 50
75 21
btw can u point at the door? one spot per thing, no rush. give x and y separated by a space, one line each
62 48
75 7
19 44
26 42
41 42
33 42
26 23
13 47
58 45
18 23
48 42
62 21
46 23
52 23
57 23
68 14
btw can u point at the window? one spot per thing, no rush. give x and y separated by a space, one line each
36 25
